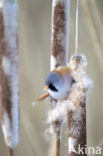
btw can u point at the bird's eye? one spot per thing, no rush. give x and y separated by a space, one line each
52 87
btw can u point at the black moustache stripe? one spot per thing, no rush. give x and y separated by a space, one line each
52 87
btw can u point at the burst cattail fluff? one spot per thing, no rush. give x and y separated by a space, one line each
80 90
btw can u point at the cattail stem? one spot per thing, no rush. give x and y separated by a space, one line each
60 33
9 81
59 54
57 146
77 116
78 139
10 152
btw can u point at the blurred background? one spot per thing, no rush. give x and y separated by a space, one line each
34 56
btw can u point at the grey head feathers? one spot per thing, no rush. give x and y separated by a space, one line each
52 81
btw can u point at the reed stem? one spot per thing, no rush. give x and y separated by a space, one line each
59 48
10 152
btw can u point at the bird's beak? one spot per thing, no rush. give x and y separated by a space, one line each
43 97
46 88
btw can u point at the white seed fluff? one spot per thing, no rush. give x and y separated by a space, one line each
83 82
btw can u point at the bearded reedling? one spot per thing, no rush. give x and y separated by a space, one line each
58 84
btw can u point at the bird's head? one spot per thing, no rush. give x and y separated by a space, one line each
59 82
